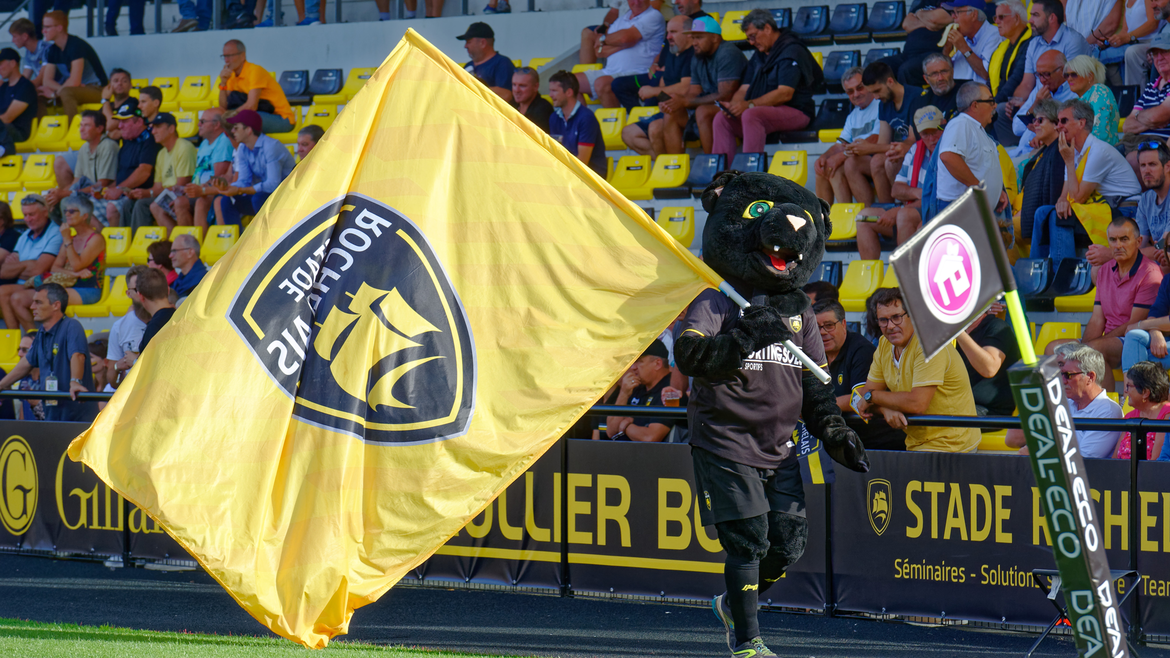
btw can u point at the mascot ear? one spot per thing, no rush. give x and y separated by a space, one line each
825 208
711 194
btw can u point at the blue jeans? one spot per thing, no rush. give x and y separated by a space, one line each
312 10
136 10
1049 240
1137 349
199 10
274 123
1112 55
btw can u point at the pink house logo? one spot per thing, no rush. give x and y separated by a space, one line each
949 274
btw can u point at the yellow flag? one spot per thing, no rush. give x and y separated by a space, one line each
436 294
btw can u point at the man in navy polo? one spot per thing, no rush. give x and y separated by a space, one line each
486 64
573 125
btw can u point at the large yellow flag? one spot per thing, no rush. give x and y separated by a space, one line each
436 294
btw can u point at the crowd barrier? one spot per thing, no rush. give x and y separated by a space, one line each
921 535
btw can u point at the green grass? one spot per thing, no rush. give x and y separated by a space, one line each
28 638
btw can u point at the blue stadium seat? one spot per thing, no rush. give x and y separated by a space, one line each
324 82
836 63
830 116
874 54
703 170
783 17
294 83
1072 278
1033 275
885 21
1126 97
848 23
811 23
855 327
747 162
830 271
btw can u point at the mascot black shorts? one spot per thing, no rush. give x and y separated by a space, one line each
730 490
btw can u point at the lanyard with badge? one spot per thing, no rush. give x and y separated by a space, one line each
51 380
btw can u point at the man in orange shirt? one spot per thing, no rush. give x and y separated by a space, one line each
247 86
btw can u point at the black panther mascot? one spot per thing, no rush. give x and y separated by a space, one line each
765 235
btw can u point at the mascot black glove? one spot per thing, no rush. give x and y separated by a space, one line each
763 326
843 445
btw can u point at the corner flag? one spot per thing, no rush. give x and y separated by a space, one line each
434 296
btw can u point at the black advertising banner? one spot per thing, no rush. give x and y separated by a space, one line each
1055 456
1153 539
947 272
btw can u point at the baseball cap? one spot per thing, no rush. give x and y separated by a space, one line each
478 31
955 4
9 54
1160 42
658 349
705 25
164 118
249 118
128 108
927 118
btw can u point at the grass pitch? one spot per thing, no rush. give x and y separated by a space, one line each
28 638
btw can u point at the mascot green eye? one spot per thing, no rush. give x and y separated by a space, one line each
757 208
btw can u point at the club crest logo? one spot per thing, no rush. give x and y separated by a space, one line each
18 485
949 274
796 323
353 316
878 494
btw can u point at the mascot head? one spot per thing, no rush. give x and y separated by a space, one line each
763 232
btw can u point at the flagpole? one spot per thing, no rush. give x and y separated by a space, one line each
816 369
1011 293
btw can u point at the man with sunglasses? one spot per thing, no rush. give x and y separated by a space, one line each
967 156
971 45
213 159
1050 33
1050 73
1151 111
901 381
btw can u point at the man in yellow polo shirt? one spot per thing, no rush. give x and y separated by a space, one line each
247 86
901 382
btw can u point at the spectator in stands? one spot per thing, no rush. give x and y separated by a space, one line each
150 101
644 385
137 155
135 10
628 45
1096 174
126 334
158 257
1138 24
942 91
18 102
115 93
967 156
1146 389
1137 62
1086 78
988 348
156 300
716 71
777 90
526 97
491 67
867 161
1042 177
973 42
923 25
195 15
1153 212
671 78
94 166
1127 286
1050 72
174 168
99 344
213 160
1006 67
1049 33
307 139
36 52
185 256
29 409
35 252
862 125
80 75
8 233
903 221
1151 111
61 352
850 356
1097 20
261 163
1083 369
573 124
901 381
247 86
820 291
691 8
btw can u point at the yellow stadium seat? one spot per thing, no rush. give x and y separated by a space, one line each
609 168
319 115
290 137
581 68
52 134
631 173
116 300
670 170
679 222
117 246
354 81
715 15
639 113
219 239
1076 303
732 26
537 62
169 87
188 124
9 343
194 231
136 84
995 442
96 107
1050 331
38 172
195 94
143 238
13 199
844 219
860 280
829 136
29 145
10 168
612 121
820 57
890 280
792 165
73 139
97 310
517 62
